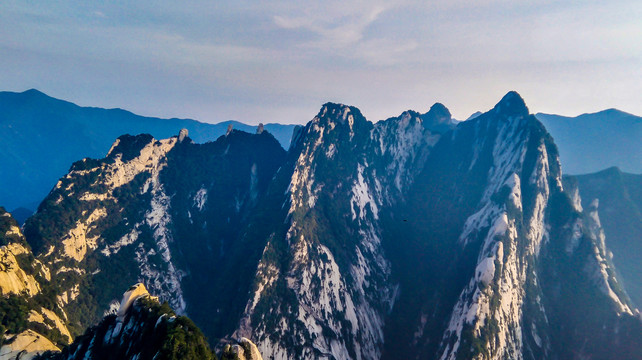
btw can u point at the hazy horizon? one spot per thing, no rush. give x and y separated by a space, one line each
256 62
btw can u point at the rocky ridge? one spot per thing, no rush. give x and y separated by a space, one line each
120 217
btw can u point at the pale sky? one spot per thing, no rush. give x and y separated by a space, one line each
278 61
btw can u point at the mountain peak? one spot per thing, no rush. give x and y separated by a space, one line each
133 293
182 135
440 110
611 171
612 114
32 95
438 118
335 110
512 104
339 114
33 91
129 146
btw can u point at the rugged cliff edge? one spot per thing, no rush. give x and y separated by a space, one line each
164 212
31 321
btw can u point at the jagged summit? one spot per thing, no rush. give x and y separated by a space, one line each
129 146
153 204
182 135
511 104
131 295
334 126
342 113
440 110
438 118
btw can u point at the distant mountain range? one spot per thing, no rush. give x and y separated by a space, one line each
593 142
41 136
33 125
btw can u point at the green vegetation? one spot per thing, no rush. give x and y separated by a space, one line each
228 354
26 262
14 311
156 332
6 223
15 308
181 339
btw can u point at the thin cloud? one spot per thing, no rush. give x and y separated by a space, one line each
334 30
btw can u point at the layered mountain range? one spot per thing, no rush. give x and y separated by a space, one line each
589 143
33 124
413 237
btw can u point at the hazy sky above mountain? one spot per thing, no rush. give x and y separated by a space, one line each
277 61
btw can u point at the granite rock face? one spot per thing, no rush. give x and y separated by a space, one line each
182 135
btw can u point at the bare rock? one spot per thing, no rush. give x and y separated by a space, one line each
182 135
244 349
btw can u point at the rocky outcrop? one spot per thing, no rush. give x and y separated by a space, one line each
26 345
142 329
30 322
132 294
182 135
51 321
13 279
244 349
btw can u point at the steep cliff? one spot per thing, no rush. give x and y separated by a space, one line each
30 319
